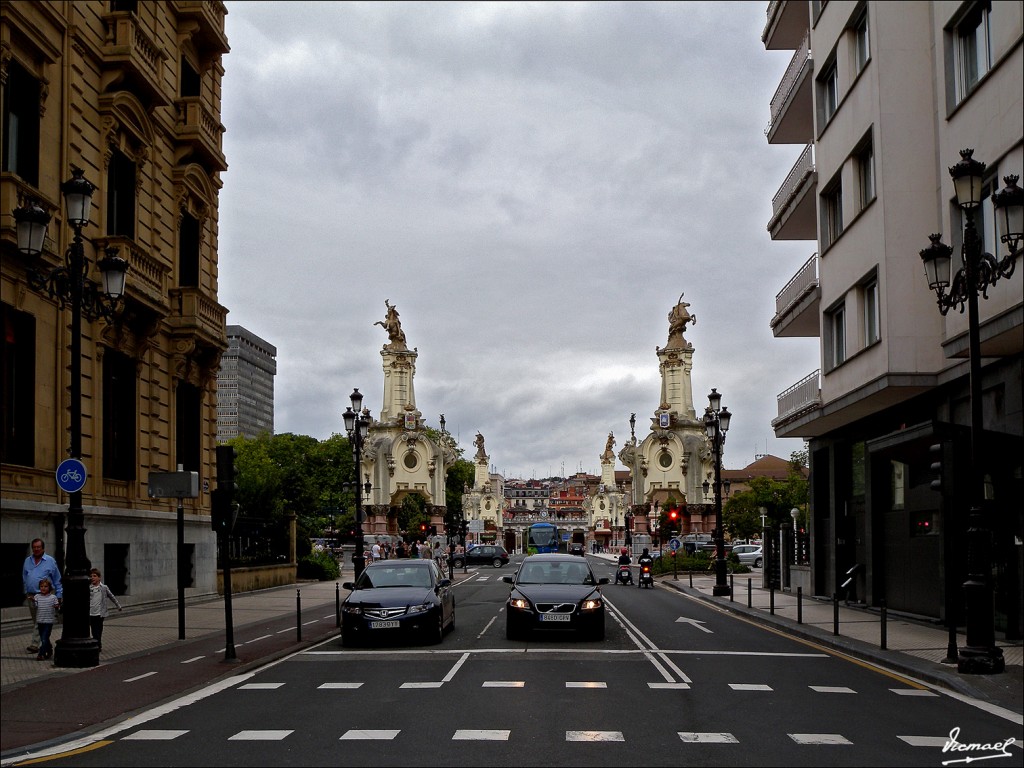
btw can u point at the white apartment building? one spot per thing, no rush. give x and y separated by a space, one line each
883 96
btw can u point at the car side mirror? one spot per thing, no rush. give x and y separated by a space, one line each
507 579
348 585
603 580
442 583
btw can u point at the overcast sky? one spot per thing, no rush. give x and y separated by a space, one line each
532 185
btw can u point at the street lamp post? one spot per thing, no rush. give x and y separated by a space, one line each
68 284
716 423
357 425
979 270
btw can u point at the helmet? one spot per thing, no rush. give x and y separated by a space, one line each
645 550
624 551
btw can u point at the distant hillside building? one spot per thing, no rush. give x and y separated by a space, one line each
245 386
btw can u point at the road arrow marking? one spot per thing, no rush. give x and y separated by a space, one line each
696 623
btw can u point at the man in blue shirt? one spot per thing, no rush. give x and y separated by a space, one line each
39 566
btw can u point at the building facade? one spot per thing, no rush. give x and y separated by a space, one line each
882 97
245 386
130 93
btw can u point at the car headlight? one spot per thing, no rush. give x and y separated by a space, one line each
519 603
422 608
355 610
591 604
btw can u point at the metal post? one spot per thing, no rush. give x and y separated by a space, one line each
721 588
337 604
771 598
229 625
750 592
799 605
298 615
883 628
835 613
732 585
181 567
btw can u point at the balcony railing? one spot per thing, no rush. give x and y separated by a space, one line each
200 127
802 283
130 49
802 168
789 81
803 396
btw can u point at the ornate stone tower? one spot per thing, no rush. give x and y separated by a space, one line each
400 458
608 508
481 502
671 463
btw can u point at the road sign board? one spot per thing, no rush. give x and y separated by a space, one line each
674 544
71 475
475 526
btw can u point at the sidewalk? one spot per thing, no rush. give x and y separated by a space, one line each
913 647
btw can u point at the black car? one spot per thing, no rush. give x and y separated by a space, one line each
483 554
398 598
554 592
575 548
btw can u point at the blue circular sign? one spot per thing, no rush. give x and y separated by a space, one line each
71 475
675 544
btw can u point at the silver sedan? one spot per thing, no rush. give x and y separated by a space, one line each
749 554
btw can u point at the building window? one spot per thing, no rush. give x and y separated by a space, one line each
119 405
869 301
21 124
190 80
121 196
862 43
835 340
188 422
188 252
865 174
828 89
18 360
972 49
831 214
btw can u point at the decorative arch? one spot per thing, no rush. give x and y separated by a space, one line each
126 126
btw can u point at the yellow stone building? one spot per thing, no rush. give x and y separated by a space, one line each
130 93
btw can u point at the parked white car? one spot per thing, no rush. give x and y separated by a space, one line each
749 554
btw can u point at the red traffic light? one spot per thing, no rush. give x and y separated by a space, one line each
673 515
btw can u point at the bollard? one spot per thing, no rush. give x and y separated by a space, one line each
732 585
750 592
882 604
835 613
799 605
337 604
298 616
771 597
691 577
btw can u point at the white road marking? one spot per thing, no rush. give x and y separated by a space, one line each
696 623
669 686
912 692
339 686
749 687
360 734
594 736
480 735
586 684
503 684
153 735
194 658
691 737
451 673
257 639
260 686
260 735
421 685
138 677
831 689
925 741
819 738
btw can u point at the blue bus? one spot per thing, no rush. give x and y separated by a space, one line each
542 537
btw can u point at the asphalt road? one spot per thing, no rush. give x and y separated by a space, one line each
676 682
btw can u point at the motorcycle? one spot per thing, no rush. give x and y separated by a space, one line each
624 575
645 578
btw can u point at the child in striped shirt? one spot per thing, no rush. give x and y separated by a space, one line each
47 605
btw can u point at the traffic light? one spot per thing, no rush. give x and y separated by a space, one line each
941 454
673 517
223 496
423 528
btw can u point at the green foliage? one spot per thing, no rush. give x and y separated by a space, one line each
741 515
319 565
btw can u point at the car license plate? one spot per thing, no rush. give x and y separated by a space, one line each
556 617
383 625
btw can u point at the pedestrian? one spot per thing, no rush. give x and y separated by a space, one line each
400 550
439 556
375 551
425 550
39 566
47 605
99 593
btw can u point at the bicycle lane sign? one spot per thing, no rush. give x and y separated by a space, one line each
71 475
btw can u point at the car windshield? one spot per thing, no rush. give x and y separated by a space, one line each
393 576
555 573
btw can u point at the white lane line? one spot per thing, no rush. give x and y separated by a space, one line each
260 686
692 737
504 684
819 738
925 741
311 621
138 677
153 735
831 689
480 734
260 735
486 627
288 629
749 687
451 673
586 684
357 734
421 685
594 736
912 692
194 658
636 636
669 686
339 686
257 639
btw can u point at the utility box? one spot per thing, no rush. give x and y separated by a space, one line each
173 485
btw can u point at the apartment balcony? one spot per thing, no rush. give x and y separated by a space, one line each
148 279
203 21
798 304
200 135
799 400
787 23
793 207
194 314
132 60
792 106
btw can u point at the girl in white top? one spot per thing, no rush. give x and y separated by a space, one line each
47 605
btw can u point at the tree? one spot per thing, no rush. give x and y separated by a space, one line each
741 516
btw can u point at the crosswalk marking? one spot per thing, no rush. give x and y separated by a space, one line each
691 737
594 736
480 734
260 686
359 734
154 735
504 684
749 687
669 686
268 735
586 684
337 686
924 741
421 685
912 692
831 689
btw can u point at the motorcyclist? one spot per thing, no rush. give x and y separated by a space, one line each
624 559
645 559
